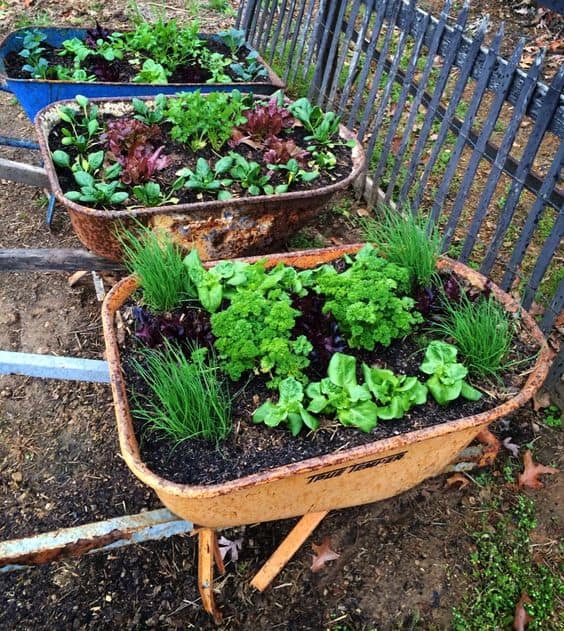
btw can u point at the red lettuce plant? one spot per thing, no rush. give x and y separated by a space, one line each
281 151
263 122
94 34
129 141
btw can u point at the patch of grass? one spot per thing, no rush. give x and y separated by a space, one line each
222 6
503 568
482 332
553 417
407 240
188 397
157 263
40 18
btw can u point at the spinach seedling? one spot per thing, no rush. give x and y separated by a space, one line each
294 173
204 178
288 409
31 51
151 72
233 38
84 125
447 381
149 194
249 175
148 115
98 193
251 70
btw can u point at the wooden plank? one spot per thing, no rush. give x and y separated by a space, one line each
286 550
53 260
23 173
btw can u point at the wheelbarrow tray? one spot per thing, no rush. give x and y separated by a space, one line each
35 94
371 472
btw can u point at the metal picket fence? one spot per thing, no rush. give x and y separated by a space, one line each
451 128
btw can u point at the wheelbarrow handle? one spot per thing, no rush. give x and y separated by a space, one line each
23 173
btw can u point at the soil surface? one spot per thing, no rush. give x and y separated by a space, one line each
403 562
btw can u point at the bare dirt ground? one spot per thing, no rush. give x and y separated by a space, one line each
404 563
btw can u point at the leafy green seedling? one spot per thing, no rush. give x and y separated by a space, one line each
93 192
294 173
150 115
251 70
233 38
447 381
206 178
340 393
397 393
150 195
151 72
31 51
249 174
288 409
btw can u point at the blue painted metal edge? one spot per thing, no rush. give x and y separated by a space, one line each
53 367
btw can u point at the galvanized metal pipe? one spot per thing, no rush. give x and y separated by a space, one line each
101 536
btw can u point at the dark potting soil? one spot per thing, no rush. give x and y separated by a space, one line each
252 448
182 156
120 70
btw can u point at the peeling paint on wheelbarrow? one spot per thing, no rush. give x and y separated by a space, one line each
217 229
358 475
34 94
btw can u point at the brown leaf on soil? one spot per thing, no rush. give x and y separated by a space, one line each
521 618
491 444
323 553
73 279
530 476
458 478
541 400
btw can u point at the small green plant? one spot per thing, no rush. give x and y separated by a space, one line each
553 417
481 330
503 567
251 70
294 173
254 333
447 381
31 51
341 394
368 299
396 393
200 120
98 193
288 409
250 176
187 396
149 115
159 267
323 126
84 124
208 179
151 72
233 38
407 240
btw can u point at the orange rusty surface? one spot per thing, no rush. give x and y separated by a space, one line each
217 229
64 551
363 474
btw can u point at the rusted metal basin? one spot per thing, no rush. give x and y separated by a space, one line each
217 229
355 476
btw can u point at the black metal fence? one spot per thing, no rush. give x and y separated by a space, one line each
451 128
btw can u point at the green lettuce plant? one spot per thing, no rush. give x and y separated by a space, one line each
288 409
340 393
396 393
447 381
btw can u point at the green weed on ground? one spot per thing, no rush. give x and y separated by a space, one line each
503 568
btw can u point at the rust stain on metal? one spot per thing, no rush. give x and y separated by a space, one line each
65 551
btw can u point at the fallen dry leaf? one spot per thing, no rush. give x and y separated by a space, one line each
323 554
458 478
226 546
541 400
73 279
512 447
522 618
491 450
530 476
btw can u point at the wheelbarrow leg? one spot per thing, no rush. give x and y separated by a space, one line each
208 551
286 550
